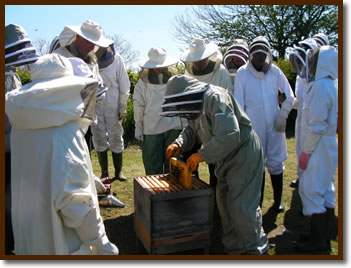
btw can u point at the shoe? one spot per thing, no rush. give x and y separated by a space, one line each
295 183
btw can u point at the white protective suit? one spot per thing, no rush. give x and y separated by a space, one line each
258 95
147 108
318 128
108 132
54 203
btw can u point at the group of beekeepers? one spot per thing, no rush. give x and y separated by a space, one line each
229 111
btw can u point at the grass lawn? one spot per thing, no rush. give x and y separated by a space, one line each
282 229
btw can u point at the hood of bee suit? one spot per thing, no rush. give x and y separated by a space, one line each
260 45
298 56
321 39
18 47
184 97
236 55
322 62
54 97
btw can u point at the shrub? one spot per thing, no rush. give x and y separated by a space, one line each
128 122
24 76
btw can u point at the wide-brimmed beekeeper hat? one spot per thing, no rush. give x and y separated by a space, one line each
55 95
18 47
91 31
158 58
198 50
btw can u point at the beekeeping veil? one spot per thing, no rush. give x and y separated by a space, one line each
158 60
184 97
55 44
18 47
321 62
298 56
200 51
261 45
236 55
321 39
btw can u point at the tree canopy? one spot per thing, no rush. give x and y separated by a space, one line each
282 25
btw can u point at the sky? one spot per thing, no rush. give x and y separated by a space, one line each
143 26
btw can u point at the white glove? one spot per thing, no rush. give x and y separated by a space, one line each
295 104
280 124
122 112
92 233
138 133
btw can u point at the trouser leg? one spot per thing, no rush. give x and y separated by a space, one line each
117 163
152 154
277 183
103 162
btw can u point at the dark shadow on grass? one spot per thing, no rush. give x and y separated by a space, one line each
121 232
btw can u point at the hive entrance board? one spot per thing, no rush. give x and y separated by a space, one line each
180 172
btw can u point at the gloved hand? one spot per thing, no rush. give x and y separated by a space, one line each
122 112
92 233
295 104
138 133
303 160
280 124
172 150
284 111
193 161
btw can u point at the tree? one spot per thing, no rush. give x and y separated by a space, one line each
283 25
42 46
124 48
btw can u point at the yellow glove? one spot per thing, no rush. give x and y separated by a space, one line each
172 150
193 161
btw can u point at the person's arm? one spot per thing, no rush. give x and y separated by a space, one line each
318 110
139 107
124 86
225 128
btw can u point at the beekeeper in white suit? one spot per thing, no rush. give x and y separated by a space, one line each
82 42
51 166
297 58
108 131
153 131
319 158
257 84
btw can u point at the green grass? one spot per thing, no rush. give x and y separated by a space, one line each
276 228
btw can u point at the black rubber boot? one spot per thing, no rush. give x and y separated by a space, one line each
117 163
262 188
318 241
102 157
277 183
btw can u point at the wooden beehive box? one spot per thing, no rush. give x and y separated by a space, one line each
170 218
